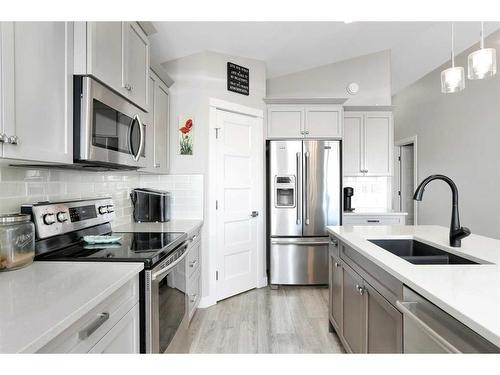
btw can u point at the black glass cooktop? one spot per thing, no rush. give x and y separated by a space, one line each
149 248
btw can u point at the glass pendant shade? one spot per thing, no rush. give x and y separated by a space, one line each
452 80
482 63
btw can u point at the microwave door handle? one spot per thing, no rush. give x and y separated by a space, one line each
141 140
141 132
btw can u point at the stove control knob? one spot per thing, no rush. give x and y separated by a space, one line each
49 219
62 217
110 208
103 210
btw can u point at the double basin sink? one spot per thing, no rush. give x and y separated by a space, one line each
417 252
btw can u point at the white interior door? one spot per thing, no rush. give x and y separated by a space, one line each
238 176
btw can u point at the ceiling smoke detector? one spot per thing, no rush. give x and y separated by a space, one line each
352 88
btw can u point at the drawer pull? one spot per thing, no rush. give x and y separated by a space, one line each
193 263
193 297
92 327
337 264
373 221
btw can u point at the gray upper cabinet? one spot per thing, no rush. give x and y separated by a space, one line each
385 324
136 63
36 91
354 311
368 143
104 52
304 121
158 135
117 54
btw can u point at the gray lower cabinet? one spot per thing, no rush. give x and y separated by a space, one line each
385 324
365 321
353 312
335 293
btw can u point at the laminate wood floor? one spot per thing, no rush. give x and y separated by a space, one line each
286 320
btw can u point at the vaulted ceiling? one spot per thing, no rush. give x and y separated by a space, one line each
287 47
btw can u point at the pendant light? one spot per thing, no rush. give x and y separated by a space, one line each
483 62
452 79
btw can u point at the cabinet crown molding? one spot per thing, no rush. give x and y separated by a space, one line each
368 108
305 100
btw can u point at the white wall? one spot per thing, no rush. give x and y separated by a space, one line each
458 135
372 72
198 78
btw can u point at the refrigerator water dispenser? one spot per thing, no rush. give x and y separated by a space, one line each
285 191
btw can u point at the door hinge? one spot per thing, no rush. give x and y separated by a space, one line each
217 133
399 193
399 158
216 275
216 204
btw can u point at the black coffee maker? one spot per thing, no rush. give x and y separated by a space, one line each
348 193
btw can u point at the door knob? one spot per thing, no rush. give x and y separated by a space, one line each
255 213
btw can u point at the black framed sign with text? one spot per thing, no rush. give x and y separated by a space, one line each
238 79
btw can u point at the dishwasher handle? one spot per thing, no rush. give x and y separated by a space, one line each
406 309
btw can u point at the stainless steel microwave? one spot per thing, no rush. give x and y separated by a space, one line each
109 131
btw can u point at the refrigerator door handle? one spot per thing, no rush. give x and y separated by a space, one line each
299 215
306 183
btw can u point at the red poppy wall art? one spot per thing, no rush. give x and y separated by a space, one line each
186 135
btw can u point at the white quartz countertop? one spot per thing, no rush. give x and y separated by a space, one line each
40 301
186 226
470 293
375 213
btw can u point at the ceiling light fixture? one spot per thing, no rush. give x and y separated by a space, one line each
452 79
483 62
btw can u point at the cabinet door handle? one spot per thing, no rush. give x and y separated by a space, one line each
3 138
157 165
372 221
334 242
337 264
92 327
193 297
13 140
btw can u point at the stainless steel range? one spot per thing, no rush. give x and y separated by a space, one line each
60 227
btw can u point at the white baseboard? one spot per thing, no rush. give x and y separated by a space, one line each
206 302
262 283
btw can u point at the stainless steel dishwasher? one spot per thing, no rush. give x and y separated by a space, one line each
428 329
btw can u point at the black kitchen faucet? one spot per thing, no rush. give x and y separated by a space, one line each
456 231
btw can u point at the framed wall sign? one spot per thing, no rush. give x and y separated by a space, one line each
238 79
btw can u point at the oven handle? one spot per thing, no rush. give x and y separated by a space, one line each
156 275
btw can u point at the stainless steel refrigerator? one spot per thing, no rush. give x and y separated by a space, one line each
304 185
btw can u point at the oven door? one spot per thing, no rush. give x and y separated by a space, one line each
167 311
109 130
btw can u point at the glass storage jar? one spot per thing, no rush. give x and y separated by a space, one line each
17 241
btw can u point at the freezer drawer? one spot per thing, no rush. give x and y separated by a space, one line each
299 261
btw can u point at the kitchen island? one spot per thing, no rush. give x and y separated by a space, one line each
470 293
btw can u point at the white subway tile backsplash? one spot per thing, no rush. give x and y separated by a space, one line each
370 193
27 185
